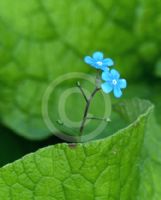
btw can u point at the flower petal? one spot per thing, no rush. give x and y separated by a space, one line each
117 92
98 55
106 87
106 75
122 83
105 68
108 62
88 60
115 74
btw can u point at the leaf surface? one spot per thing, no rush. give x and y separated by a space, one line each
110 168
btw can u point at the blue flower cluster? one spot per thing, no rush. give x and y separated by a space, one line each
111 77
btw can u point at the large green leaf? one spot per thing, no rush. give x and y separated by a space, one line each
150 187
117 167
40 40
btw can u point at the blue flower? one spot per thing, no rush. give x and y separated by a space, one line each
97 61
113 82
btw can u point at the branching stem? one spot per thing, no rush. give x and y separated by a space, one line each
99 118
82 91
87 108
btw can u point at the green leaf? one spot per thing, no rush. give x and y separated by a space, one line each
110 168
150 187
149 91
42 40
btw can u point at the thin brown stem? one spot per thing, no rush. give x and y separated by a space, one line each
97 81
82 91
87 108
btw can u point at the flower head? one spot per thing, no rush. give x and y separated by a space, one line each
113 82
97 61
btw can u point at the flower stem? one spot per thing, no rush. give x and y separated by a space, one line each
82 91
99 118
87 108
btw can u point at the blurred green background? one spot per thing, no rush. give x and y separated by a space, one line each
43 39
